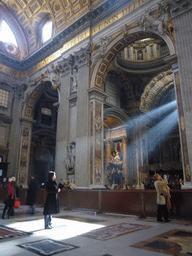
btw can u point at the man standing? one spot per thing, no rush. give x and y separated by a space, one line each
32 192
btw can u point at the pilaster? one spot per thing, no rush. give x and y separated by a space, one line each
24 152
181 17
96 101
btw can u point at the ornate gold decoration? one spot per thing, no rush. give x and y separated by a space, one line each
102 25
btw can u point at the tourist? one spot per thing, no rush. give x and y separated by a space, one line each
161 187
33 189
52 200
16 193
9 197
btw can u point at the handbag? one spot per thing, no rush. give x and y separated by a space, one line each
17 204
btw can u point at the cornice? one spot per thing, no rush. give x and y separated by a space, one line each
178 7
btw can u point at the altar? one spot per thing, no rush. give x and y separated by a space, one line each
116 156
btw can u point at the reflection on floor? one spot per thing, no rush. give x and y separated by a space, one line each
175 242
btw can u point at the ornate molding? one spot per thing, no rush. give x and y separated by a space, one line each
177 6
20 90
64 65
97 94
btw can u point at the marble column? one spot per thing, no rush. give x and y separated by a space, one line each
125 158
17 103
96 97
181 17
24 152
108 153
62 127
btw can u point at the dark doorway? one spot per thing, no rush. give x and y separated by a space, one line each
41 169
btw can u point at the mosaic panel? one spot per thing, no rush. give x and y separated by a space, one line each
47 247
175 242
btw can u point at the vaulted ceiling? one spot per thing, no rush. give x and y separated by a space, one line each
29 13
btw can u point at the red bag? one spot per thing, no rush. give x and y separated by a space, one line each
17 204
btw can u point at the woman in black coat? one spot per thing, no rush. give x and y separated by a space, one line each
52 200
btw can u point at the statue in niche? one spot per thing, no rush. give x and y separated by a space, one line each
70 159
115 168
74 80
54 76
140 55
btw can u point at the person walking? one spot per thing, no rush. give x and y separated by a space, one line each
33 189
162 193
9 198
16 194
51 205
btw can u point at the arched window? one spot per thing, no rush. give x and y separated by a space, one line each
6 34
47 30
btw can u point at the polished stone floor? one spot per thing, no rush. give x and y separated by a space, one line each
87 233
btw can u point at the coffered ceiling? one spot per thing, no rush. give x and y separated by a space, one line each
28 14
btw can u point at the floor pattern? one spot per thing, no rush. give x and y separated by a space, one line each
6 232
47 247
175 242
114 231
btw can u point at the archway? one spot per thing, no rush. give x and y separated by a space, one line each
155 79
38 131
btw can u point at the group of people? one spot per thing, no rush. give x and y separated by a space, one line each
12 193
51 205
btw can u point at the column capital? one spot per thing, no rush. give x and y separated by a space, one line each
97 94
26 121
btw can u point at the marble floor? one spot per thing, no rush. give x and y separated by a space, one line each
87 233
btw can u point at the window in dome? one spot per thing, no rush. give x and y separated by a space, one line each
6 34
47 31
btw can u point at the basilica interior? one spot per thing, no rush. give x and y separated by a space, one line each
98 91
92 93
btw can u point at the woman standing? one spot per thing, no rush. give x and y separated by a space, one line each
162 196
9 198
52 201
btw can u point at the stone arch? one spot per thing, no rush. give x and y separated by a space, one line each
32 96
155 90
101 68
119 114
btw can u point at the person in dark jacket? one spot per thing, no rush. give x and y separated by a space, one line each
9 197
33 189
51 205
